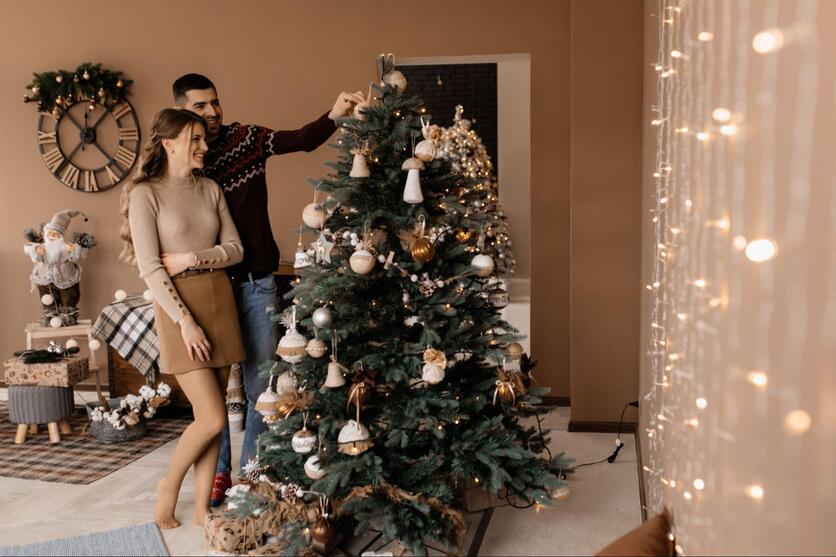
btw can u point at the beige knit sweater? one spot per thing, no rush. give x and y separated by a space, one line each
180 215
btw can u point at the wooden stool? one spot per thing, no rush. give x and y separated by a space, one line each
55 430
31 405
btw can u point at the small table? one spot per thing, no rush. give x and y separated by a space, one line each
82 328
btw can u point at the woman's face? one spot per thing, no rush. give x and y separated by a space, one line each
189 147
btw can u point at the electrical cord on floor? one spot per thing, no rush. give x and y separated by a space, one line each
618 442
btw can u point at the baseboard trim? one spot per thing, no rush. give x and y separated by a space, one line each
557 401
601 427
640 466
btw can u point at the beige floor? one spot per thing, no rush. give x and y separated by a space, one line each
604 503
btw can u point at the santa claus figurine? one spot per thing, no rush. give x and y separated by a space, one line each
56 272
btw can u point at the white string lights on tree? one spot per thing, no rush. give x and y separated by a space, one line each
730 274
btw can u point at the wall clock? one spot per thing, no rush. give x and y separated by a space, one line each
88 146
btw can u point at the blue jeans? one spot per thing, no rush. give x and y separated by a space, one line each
260 335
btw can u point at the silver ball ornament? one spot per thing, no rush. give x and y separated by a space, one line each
322 317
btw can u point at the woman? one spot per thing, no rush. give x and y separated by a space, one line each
178 231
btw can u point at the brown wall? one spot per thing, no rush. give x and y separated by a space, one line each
605 245
281 63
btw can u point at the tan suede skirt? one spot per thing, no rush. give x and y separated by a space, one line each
210 300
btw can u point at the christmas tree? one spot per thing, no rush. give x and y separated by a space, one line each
422 391
463 147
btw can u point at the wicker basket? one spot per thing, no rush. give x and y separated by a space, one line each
106 433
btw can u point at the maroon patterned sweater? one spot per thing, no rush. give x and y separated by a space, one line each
236 161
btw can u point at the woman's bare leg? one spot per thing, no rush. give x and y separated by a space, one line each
202 390
204 468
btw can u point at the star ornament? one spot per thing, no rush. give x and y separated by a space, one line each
322 249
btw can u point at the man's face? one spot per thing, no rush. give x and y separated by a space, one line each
205 102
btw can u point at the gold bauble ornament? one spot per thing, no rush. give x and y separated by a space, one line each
518 382
514 351
422 250
59 78
505 393
86 75
322 531
359 394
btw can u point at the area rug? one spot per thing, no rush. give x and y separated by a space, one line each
79 458
144 539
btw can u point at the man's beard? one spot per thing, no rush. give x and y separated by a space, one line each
55 250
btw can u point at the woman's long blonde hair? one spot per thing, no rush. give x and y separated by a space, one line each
168 123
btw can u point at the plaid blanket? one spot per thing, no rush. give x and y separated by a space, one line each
128 327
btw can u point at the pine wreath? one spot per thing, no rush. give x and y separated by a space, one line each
56 91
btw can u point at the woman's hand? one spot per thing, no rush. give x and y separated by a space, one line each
195 339
176 263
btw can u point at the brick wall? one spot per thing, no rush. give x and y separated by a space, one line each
470 85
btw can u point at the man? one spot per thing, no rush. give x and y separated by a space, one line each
236 161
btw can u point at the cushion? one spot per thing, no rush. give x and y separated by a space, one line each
650 539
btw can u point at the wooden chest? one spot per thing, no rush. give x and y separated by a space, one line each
125 379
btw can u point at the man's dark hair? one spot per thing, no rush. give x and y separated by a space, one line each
188 82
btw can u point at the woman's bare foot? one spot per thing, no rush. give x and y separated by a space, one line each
166 503
200 515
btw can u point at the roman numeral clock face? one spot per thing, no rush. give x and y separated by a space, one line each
90 150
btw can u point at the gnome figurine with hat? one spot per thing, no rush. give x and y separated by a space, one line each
57 272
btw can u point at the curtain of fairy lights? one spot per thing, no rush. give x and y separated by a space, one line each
740 410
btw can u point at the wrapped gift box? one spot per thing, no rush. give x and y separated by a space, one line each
227 535
64 373
474 497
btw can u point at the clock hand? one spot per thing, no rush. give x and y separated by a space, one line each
72 119
103 152
105 113
84 132
69 158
